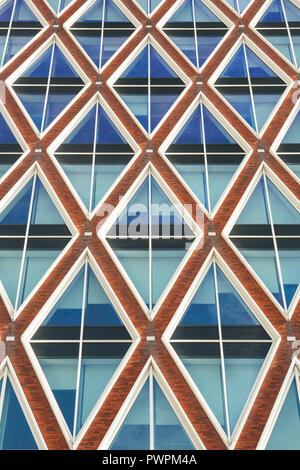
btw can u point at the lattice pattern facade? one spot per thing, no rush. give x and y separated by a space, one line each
120 119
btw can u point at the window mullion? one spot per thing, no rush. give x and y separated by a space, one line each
102 34
149 90
94 158
275 242
84 296
250 87
2 396
221 352
48 87
25 242
150 241
195 33
151 409
8 32
205 158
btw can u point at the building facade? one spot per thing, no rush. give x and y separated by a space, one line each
149 224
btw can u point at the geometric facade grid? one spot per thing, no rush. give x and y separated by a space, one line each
149 224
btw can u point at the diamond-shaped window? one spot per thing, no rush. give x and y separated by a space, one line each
150 239
195 30
285 434
149 87
79 346
18 25
48 86
222 346
280 25
205 156
101 30
289 148
10 149
33 234
151 423
250 86
148 5
267 234
93 156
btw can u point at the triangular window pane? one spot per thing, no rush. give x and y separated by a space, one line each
239 5
10 149
15 433
58 5
286 432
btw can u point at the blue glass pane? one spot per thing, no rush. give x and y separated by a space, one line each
168 431
159 67
289 264
274 13
91 45
296 44
207 375
192 130
104 178
136 265
44 211
233 310
164 213
292 136
138 105
139 67
256 209
23 12
14 44
113 13
204 14
34 105
109 46
184 13
164 265
160 105
58 5
95 373
15 433
98 308
237 66
203 309
61 375
41 66
68 310
264 264
283 212
107 132
35 266
195 177
282 44
55 104
241 375
214 131
242 104
93 14
10 265
186 44
264 105
80 177
16 213
6 11
257 68
286 432
291 11
206 45
219 177
84 131
134 433
61 67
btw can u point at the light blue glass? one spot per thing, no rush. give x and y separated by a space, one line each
95 373
58 5
203 14
138 105
148 5
23 12
10 265
134 433
109 46
55 104
274 13
35 266
61 375
186 44
257 68
203 308
44 211
291 11
264 264
68 309
61 67
91 45
80 177
206 45
15 44
136 265
296 44
98 308
34 105
207 375
264 105
159 106
168 431
233 310
237 66
6 11
243 105
241 374
256 208
17 211
164 214
113 13
282 44
238 5
104 178
286 432
219 177
283 212
292 136
195 177
289 264
164 265
15 433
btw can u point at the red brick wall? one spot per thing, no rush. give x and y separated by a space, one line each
27 377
